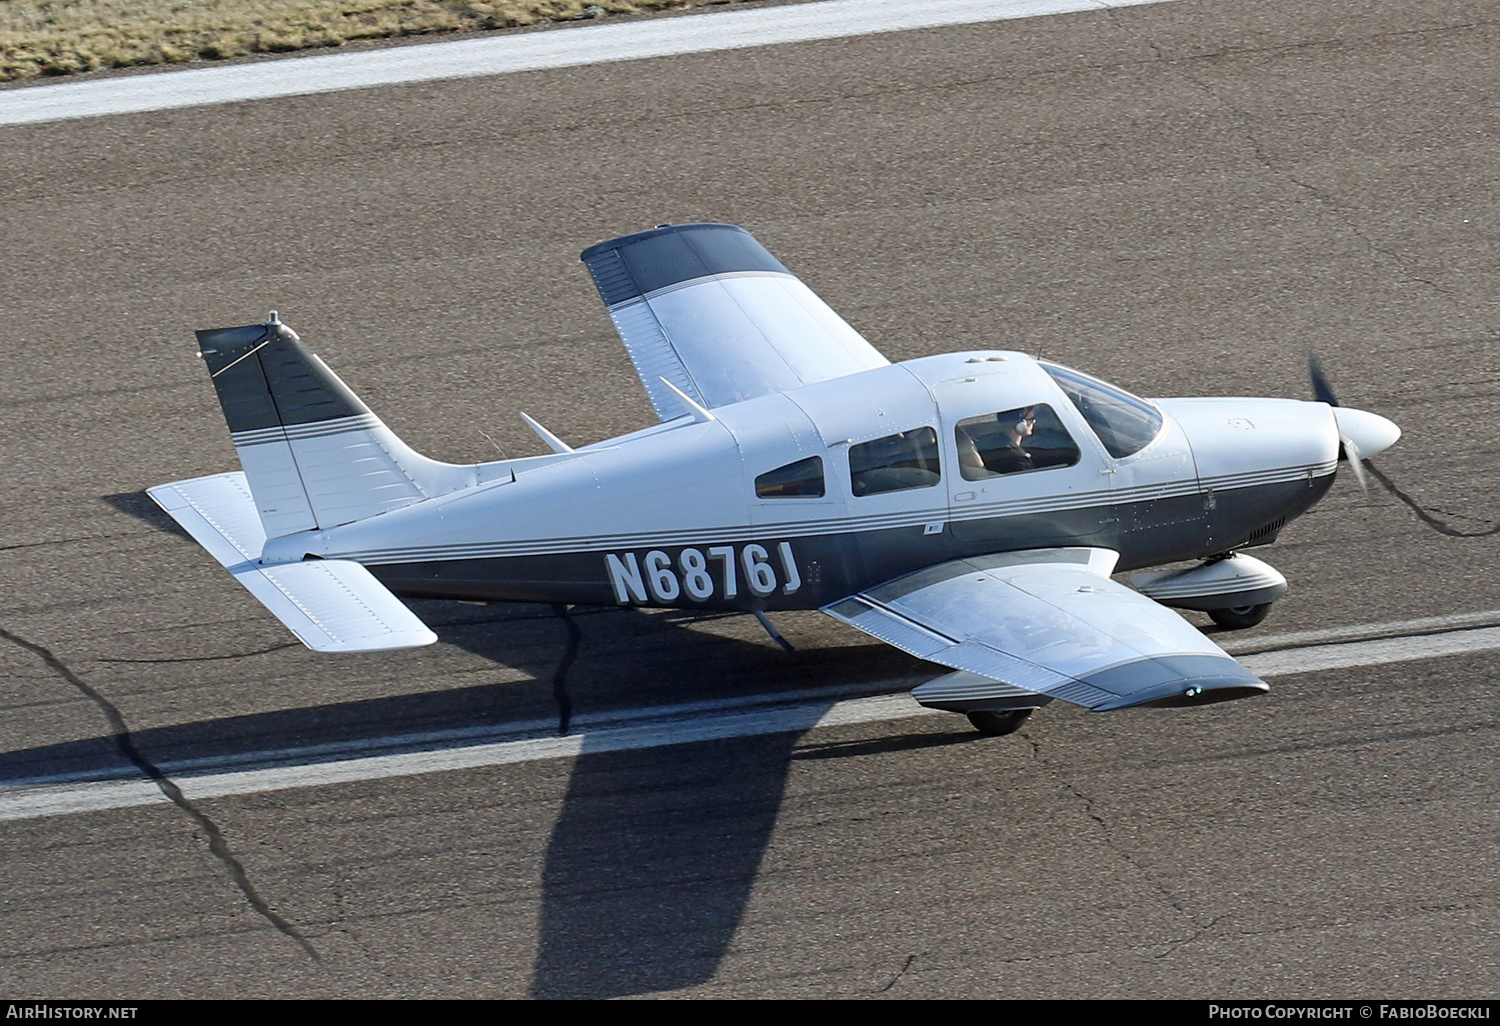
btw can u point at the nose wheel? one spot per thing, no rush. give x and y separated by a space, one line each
998 724
1237 618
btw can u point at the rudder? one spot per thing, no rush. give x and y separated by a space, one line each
313 453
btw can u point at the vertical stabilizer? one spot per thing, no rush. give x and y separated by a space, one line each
314 455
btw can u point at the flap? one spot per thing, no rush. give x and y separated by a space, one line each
1050 621
707 308
331 605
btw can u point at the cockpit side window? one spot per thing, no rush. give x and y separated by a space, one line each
895 463
1012 441
800 480
1125 423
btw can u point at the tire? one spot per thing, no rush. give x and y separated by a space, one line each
998 724
1237 618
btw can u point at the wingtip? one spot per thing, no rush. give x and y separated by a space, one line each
1183 694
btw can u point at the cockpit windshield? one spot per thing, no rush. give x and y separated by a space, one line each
1125 423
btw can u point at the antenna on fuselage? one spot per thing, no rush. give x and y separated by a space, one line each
700 414
556 444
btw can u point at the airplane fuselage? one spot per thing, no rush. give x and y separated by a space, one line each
797 499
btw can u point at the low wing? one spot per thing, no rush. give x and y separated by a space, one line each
331 605
707 308
1047 622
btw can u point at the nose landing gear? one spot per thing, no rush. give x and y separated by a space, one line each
1234 589
1237 618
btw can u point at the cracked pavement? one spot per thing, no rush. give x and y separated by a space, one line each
217 844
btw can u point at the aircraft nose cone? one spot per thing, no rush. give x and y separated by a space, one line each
1370 432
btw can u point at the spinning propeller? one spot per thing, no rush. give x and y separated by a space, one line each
1361 434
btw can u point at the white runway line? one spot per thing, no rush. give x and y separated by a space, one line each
675 725
1359 631
58 800
562 47
1375 652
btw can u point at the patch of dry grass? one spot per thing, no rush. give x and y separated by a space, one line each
59 37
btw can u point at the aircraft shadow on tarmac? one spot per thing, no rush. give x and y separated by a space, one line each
654 855
143 508
652 861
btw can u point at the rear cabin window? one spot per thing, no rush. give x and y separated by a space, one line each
895 463
800 480
1125 423
1012 441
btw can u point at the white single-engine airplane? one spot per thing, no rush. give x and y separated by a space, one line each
969 509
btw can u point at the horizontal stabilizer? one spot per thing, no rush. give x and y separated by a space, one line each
331 605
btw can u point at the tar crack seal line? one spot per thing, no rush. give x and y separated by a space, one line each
204 659
216 842
1427 518
560 676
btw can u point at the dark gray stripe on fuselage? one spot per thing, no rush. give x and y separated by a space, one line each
275 384
834 566
634 265
1239 515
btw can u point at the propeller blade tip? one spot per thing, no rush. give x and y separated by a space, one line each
1320 386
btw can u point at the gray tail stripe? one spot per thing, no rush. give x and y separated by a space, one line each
266 378
329 427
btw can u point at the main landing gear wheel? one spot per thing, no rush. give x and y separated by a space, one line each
1237 618
998 724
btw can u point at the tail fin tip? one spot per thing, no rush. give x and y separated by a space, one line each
301 432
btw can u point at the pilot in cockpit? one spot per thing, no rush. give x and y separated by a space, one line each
992 446
1013 457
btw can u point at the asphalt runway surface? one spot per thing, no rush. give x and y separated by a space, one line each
1182 198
